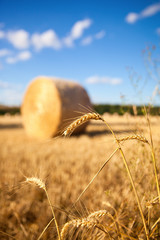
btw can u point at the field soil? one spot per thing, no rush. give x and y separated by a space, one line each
67 165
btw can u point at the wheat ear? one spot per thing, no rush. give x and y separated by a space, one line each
133 137
89 222
36 181
77 223
97 214
80 121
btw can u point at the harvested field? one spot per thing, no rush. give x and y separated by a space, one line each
67 165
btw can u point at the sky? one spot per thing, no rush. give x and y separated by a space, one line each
112 48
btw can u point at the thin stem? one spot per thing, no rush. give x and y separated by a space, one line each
116 225
59 236
8 235
149 217
135 192
154 225
45 229
96 175
130 177
153 155
155 171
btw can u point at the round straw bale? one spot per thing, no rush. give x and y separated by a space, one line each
51 104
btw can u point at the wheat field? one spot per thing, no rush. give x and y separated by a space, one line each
66 165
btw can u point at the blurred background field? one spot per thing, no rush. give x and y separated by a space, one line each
112 50
67 165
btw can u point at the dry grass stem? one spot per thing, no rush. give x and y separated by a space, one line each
158 220
80 121
96 175
135 192
131 179
133 137
8 235
45 229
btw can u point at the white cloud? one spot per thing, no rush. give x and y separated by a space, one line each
46 39
4 52
151 10
87 40
132 17
103 80
147 12
22 56
19 39
100 34
79 27
77 31
2 34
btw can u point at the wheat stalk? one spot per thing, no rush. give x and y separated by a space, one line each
133 137
96 116
153 154
80 121
101 168
38 182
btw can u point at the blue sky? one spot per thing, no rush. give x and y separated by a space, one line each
100 44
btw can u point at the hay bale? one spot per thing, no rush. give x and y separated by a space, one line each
49 103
